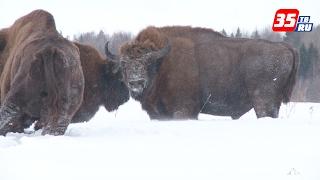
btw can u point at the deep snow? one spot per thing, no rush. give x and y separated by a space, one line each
126 145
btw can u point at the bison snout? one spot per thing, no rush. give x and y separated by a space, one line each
137 85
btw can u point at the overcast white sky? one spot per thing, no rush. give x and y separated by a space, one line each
75 16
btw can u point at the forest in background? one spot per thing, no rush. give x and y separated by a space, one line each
307 88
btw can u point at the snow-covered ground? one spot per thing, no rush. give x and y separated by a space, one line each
127 145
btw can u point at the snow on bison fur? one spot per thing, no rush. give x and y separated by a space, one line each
101 83
177 72
42 75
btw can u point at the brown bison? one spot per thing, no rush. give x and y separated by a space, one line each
178 72
102 85
42 75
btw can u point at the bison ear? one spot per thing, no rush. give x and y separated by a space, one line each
3 41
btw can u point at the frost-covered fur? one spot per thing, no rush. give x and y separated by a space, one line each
209 73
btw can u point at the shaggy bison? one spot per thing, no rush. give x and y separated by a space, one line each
42 75
102 85
178 72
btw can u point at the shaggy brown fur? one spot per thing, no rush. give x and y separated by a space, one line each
207 72
42 77
102 87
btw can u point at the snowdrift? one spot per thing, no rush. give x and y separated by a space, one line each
126 145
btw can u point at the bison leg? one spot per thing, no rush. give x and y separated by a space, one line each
9 115
244 108
13 126
55 119
53 122
236 117
57 127
266 110
265 103
171 109
17 125
184 113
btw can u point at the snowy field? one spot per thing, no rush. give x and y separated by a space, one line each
127 145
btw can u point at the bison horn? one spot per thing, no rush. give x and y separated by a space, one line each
162 52
109 55
115 60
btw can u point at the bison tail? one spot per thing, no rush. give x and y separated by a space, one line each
54 75
288 89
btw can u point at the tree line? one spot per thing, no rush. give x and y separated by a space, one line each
265 33
98 40
307 43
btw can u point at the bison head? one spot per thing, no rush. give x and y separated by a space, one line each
138 66
116 90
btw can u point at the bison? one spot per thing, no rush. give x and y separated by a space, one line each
178 72
42 75
102 85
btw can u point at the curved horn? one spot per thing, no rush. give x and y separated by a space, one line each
162 52
109 54
114 59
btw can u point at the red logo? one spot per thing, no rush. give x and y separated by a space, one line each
285 20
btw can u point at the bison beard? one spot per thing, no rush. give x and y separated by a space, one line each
237 74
